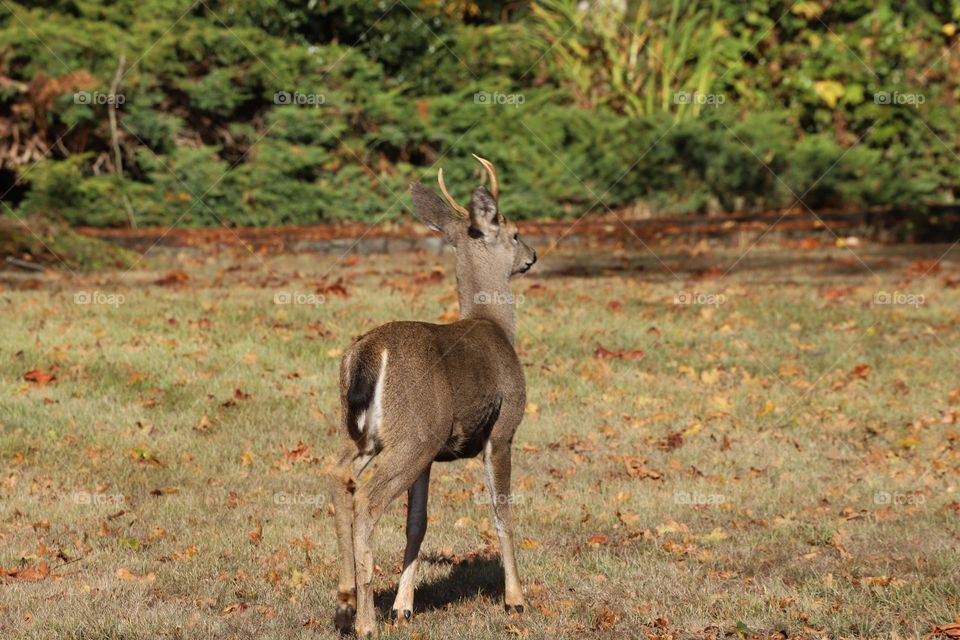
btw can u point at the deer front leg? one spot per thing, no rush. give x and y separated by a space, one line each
496 460
416 529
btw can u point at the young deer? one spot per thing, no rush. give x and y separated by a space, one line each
415 393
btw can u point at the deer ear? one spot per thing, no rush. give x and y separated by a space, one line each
432 211
483 212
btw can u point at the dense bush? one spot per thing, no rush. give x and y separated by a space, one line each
257 112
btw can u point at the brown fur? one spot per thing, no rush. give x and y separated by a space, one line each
447 391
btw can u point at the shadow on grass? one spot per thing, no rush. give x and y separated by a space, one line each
469 578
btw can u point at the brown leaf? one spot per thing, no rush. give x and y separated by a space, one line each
239 606
173 278
836 293
637 468
27 574
861 371
954 397
619 354
301 452
597 539
38 376
951 630
204 424
606 619
125 574
335 289
922 267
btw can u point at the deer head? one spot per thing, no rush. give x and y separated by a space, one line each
488 247
479 232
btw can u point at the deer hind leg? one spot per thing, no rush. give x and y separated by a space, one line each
351 463
388 475
416 529
496 461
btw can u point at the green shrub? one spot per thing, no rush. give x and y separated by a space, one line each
577 111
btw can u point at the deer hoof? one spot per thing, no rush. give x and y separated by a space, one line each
513 608
344 617
407 614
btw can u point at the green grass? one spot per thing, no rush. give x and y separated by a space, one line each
732 481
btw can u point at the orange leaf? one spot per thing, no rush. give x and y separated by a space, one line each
40 377
861 371
173 278
597 539
620 354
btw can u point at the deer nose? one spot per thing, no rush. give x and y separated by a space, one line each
530 264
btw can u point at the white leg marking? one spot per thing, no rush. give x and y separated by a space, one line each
494 497
416 528
404 598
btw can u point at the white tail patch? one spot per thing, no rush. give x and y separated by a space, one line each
368 422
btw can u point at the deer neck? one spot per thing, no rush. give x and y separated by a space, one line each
487 297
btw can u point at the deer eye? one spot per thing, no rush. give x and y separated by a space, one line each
516 237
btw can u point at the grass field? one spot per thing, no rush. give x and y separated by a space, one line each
706 454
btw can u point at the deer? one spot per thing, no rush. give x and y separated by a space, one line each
414 393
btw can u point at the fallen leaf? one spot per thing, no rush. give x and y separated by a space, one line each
27 574
619 354
861 371
951 630
301 453
336 289
41 378
637 468
173 278
710 377
125 574
605 619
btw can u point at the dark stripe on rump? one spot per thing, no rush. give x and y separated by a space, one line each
359 397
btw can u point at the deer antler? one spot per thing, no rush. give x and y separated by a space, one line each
446 194
488 169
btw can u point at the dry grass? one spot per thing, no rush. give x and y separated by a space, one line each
785 460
